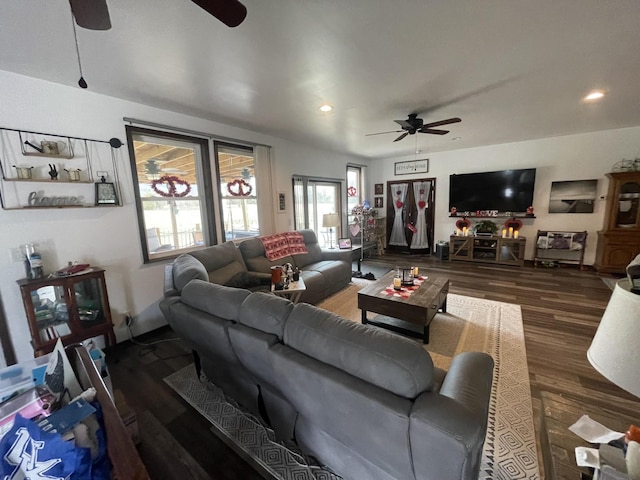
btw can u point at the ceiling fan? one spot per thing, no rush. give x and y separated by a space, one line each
94 14
414 124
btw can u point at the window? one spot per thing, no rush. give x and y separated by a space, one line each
187 199
172 186
238 190
354 187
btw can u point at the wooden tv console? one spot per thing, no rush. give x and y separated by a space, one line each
488 249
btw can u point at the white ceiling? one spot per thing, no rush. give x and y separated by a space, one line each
511 69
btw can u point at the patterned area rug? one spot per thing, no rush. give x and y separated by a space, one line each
470 324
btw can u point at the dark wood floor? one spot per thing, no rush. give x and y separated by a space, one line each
561 308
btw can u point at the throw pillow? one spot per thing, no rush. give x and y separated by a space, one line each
243 280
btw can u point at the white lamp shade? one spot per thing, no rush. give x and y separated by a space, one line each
615 349
330 220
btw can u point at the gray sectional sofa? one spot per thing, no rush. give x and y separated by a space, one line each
367 403
246 266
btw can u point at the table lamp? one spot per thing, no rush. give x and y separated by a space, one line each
330 220
615 354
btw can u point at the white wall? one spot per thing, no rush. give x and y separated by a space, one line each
109 237
575 157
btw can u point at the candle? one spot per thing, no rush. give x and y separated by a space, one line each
457 232
504 232
515 234
397 283
415 272
510 232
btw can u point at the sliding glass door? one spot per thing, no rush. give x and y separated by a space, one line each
314 200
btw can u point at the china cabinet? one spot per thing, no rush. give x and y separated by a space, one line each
73 308
619 240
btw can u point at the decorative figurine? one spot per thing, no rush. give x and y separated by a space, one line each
53 171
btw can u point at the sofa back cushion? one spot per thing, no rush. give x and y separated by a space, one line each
187 268
223 302
382 358
265 312
221 262
314 252
254 256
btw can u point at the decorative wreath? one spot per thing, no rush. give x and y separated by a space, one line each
351 191
239 188
170 182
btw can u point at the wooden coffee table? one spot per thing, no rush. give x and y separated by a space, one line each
409 316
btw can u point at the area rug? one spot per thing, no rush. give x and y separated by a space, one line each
470 324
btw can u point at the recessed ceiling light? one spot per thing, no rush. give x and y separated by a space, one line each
326 108
594 95
455 139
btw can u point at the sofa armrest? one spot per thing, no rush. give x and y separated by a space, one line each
448 428
337 254
168 286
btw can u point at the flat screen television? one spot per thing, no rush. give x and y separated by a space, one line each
505 191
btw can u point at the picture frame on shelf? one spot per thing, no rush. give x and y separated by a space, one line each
106 194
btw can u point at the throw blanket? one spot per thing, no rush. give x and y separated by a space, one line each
281 245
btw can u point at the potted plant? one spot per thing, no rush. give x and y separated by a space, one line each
485 227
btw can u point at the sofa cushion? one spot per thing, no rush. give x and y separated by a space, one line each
187 268
244 280
221 262
314 252
253 253
223 302
382 358
265 312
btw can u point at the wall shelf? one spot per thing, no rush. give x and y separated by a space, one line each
85 159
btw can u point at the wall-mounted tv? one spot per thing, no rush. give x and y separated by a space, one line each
505 191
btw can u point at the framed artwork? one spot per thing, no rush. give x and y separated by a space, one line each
106 194
379 202
282 202
344 243
379 189
413 166
577 196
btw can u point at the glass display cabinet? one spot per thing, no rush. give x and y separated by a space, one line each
619 240
73 308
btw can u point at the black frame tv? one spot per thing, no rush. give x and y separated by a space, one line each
505 191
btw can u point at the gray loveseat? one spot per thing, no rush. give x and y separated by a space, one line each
246 266
367 403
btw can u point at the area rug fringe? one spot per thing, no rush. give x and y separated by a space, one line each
470 324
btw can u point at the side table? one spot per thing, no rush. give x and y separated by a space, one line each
293 293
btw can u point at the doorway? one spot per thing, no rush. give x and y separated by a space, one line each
314 198
410 215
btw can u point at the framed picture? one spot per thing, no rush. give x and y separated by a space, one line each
413 166
379 189
575 196
106 194
282 202
379 202
344 243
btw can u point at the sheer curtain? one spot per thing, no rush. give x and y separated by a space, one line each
398 194
421 197
264 184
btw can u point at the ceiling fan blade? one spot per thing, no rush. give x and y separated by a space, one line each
442 122
434 131
404 124
91 14
230 12
401 136
382 133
